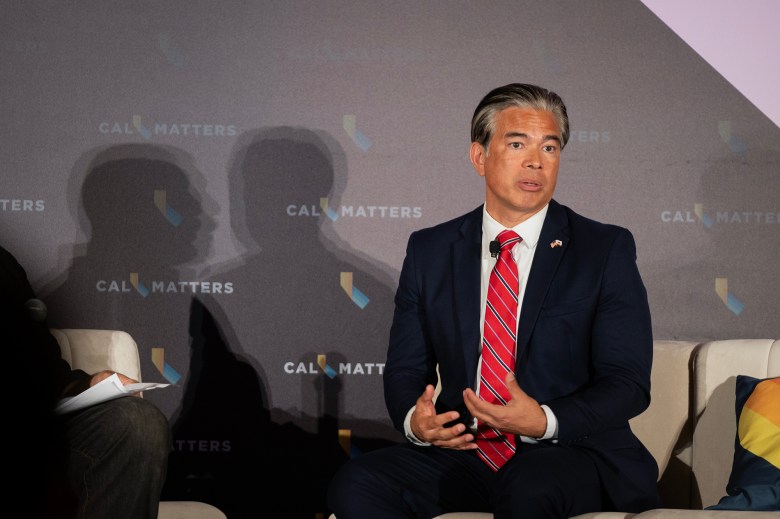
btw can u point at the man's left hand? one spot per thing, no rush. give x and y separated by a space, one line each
521 415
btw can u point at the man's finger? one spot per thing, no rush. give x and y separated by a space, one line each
513 387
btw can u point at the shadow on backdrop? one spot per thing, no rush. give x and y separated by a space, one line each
321 346
145 219
220 446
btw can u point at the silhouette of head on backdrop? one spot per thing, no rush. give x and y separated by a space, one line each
138 204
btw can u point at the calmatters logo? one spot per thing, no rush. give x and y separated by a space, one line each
170 214
590 136
149 129
709 218
328 52
551 63
734 143
358 137
321 367
21 205
165 369
729 299
170 50
357 297
134 284
345 441
202 445
353 211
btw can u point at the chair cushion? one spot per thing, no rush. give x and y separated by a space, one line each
754 482
716 367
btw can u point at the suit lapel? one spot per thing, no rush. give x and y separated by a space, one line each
466 257
545 263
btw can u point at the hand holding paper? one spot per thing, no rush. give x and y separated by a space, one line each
107 389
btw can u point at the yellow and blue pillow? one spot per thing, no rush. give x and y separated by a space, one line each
754 483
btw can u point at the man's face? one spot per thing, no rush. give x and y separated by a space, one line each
520 165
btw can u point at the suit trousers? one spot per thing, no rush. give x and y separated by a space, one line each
406 481
117 458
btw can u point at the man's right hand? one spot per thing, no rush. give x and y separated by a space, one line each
429 426
100 376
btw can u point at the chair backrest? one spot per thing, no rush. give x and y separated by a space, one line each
97 350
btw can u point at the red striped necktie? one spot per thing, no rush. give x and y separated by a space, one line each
498 349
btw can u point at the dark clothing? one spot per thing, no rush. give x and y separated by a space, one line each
425 482
23 324
108 460
117 458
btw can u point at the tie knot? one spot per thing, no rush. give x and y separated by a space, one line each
507 238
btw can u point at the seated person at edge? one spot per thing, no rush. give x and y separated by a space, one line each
543 433
104 461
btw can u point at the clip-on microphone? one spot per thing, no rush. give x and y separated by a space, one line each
495 248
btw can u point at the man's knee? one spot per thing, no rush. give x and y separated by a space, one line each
142 423
343 483
551 481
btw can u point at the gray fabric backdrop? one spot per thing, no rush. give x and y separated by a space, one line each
234 183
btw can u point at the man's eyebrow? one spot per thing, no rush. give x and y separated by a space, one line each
521 135
515 134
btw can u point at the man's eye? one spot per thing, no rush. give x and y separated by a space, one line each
515 145
549 148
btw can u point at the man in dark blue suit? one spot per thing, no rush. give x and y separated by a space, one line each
583 348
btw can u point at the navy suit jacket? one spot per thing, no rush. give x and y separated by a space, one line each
584 340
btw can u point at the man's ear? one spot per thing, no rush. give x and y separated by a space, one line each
477 154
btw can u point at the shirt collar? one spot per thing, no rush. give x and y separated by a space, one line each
529 230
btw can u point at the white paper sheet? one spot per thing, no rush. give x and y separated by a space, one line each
107 389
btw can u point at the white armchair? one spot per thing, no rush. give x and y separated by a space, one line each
96 350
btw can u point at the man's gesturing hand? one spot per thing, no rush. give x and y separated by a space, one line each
521 415
429 427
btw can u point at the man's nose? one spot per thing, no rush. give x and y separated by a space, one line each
532 160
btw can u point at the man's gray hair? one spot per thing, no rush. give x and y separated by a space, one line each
520 95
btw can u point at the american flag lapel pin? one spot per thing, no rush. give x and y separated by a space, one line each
555 243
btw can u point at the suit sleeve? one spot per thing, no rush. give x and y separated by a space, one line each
410 362
32 346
